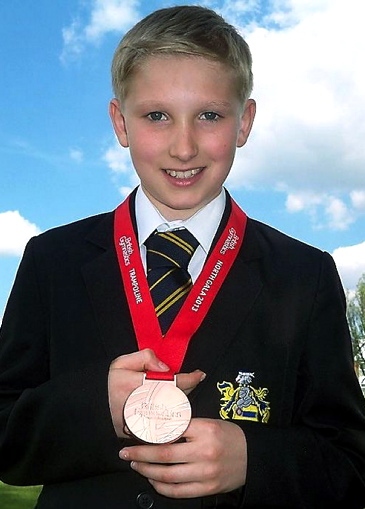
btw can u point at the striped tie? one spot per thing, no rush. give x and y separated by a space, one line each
168 257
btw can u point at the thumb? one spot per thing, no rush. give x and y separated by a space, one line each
144 360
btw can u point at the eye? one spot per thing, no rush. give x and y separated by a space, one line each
156 116
212 116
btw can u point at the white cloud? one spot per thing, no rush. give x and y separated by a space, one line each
303 201
73 41
325 211
109 16
76 155
125 191
105 16
338 214
15 231
119 161
309 130
350 262
358 199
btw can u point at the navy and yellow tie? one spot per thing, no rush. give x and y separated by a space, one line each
168 257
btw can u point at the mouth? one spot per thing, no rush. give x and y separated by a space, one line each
186 174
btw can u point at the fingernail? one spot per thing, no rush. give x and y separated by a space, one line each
203 377
123 454
163 366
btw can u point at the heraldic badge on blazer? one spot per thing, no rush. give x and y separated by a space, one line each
243 402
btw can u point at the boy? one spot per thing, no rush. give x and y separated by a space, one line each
260 345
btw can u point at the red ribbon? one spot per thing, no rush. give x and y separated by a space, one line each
171 348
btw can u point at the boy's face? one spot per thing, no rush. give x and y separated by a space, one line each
182 121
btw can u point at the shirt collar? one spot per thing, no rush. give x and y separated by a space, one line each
203 224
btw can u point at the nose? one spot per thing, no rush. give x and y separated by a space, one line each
183 143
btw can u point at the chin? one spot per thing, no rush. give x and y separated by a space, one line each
172 211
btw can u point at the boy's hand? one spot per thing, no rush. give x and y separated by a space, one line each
126 374
212 460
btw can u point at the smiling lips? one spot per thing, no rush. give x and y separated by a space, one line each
184 174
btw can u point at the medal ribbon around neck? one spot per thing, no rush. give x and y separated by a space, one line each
172 347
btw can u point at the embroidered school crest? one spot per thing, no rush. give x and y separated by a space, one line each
243 402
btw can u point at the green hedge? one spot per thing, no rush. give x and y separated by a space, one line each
12 497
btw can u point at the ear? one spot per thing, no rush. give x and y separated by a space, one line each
247 119
118 122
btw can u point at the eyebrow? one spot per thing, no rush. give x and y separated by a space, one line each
210 105
218 104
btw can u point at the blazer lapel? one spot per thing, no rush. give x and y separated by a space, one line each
105 288
229 309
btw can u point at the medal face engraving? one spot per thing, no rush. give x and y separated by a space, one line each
157 412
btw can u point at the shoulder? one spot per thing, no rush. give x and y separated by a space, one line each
273 239
286 257
72 236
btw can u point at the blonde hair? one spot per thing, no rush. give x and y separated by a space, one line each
184 30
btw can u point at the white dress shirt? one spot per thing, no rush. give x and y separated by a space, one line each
203 225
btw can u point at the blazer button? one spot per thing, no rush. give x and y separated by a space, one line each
145 500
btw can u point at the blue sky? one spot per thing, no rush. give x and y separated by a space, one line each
302 171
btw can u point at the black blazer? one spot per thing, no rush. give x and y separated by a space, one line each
280 315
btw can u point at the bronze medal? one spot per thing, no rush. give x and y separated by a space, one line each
157 412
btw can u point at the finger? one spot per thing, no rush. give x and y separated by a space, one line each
163 454
197 427
177 473
181 490
188 381
144 360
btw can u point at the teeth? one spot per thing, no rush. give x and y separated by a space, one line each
184 174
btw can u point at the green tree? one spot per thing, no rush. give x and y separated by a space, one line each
356 320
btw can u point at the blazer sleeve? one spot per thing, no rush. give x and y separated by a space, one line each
318 460
51 428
